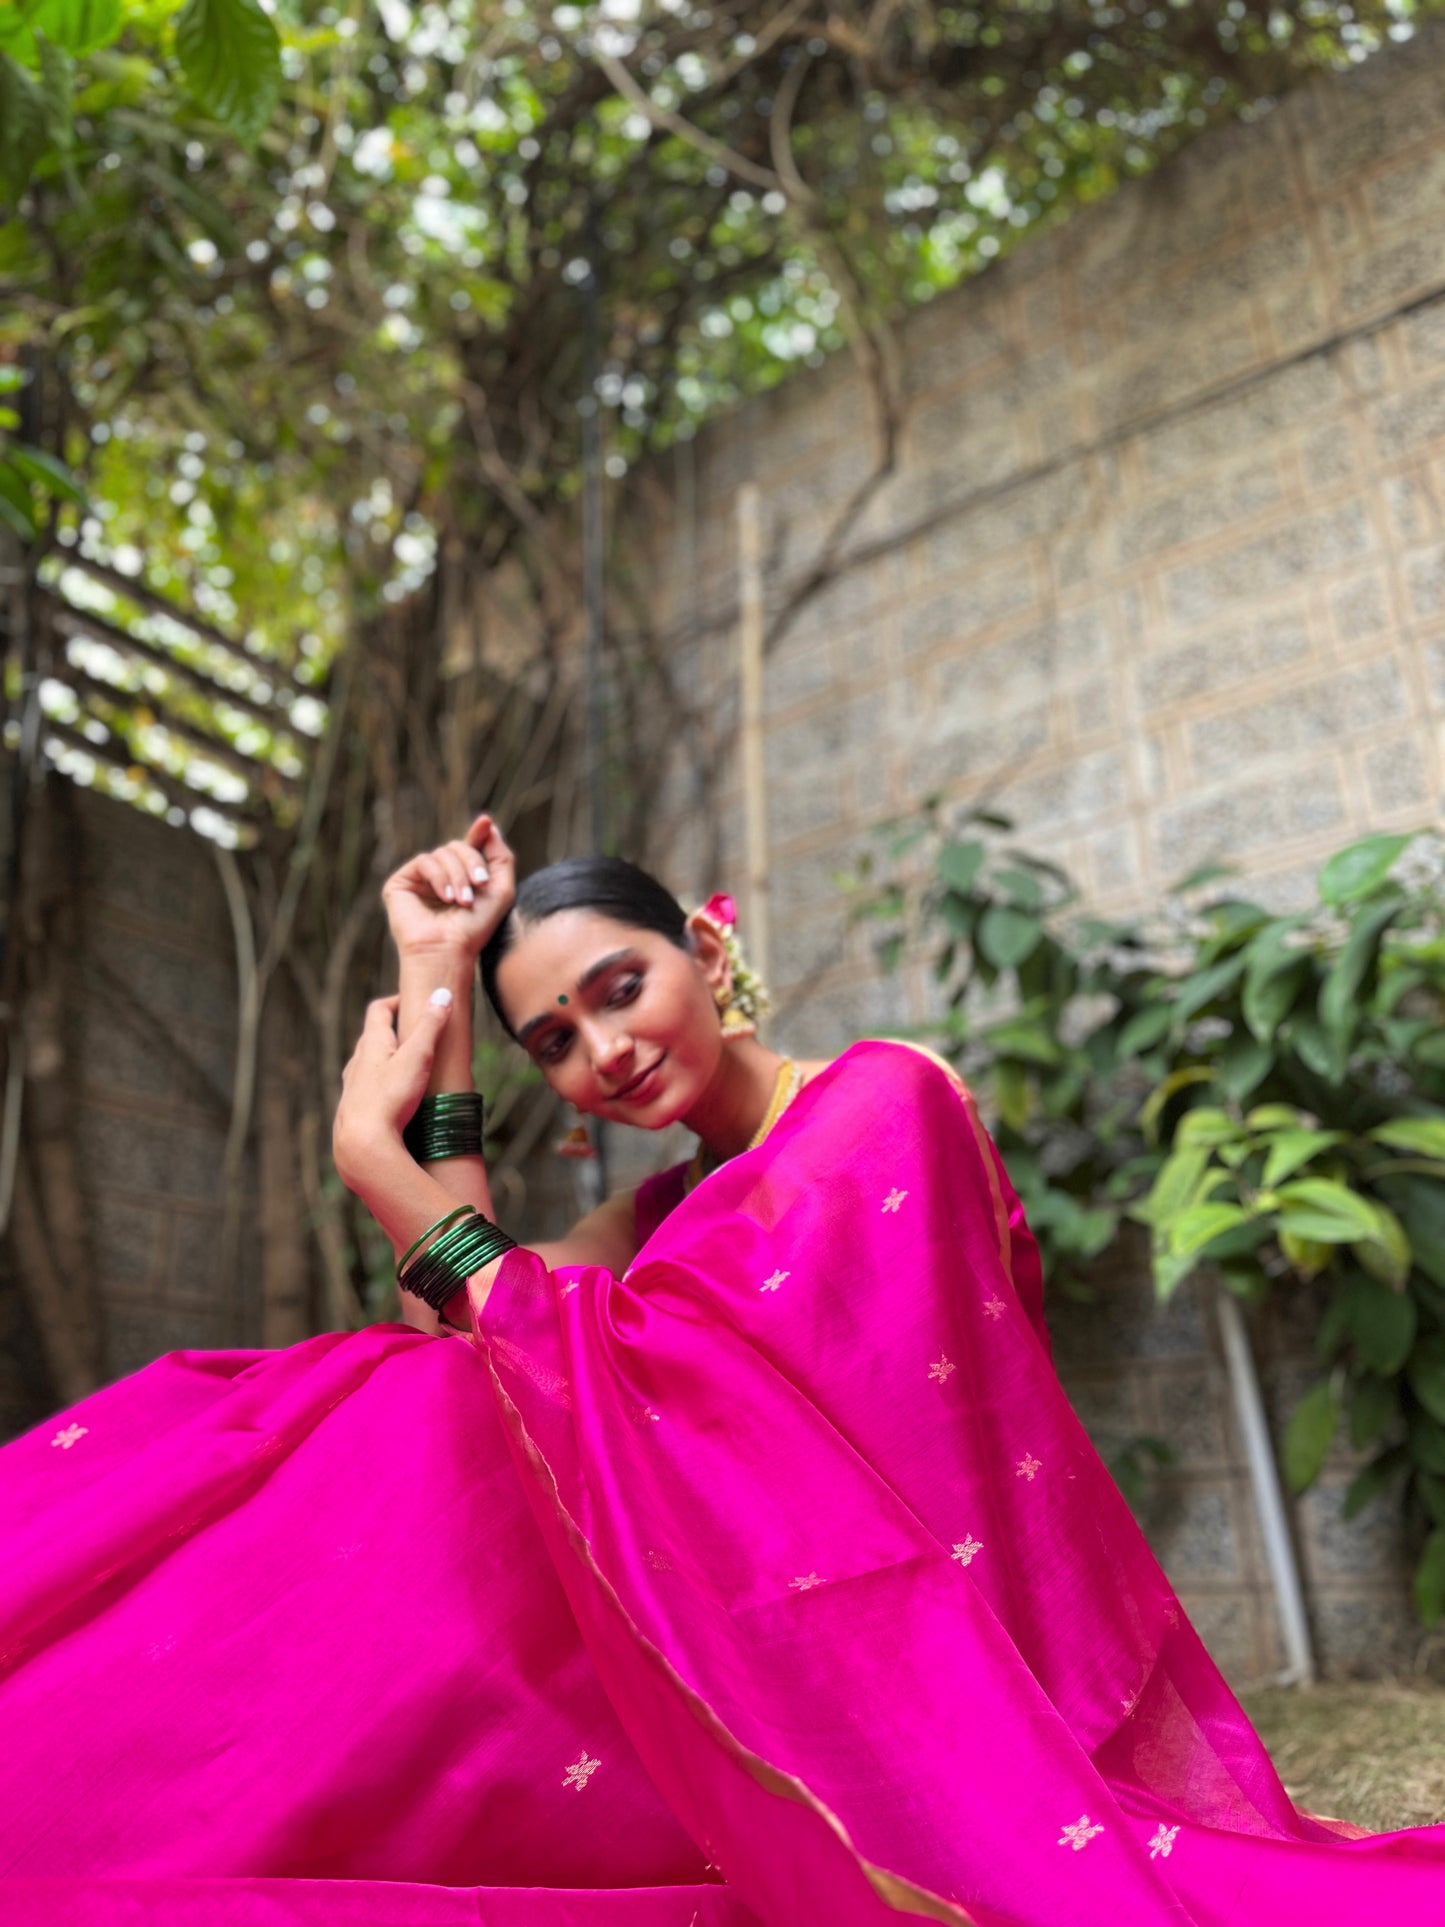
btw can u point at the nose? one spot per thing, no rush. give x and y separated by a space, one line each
609 1046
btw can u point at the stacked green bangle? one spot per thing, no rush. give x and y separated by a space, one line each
467 1241
448 1125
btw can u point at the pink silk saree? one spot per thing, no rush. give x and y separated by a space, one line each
774 1581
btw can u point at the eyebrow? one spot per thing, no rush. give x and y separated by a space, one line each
584 982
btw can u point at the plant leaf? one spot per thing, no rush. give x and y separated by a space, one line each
1348 977
1007 936
1383 1324
1354 872
1424 1136
1369 1483
231 57
1374 1406
959 864
1309 1435
52 475
1290 1149
1426 1373
1144 1029
1326 1212
1429 1582
78 26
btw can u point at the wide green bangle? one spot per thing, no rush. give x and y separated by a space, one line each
448 1125
441 1271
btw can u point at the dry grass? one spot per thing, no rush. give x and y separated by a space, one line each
1373 1754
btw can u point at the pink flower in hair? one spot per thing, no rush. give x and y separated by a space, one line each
721 910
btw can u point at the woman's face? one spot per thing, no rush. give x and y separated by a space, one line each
621 1022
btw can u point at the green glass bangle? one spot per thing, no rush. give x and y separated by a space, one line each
447 1125
430 1232
442 1270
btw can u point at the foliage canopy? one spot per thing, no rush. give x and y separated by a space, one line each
303 291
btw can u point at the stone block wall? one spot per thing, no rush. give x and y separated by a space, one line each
151 1011
1160 572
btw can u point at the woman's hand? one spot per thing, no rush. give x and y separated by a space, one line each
381 1088
452 898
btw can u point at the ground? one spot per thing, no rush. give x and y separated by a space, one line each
1374 1754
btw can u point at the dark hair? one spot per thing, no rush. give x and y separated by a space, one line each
608 884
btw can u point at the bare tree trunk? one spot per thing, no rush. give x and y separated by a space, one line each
285 1272
69 1340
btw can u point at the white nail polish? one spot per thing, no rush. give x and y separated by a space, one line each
441 995
448 894
479 875
467 895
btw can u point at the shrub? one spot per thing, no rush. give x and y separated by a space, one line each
1265 1094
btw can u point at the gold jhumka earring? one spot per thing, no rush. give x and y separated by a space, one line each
734 1023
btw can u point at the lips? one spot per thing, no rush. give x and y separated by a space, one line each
637 1088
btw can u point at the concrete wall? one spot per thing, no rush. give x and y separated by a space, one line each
1161 573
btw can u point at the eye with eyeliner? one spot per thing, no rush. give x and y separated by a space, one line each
624 990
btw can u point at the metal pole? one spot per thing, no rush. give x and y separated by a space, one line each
750 645
1268 1497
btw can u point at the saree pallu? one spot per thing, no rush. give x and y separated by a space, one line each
773 1581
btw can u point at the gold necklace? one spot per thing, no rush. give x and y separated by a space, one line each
786 1086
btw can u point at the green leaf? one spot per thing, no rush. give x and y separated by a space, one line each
1144 1030
1427 1441
1309 1435
231 57
1354 872
1432 1495
79 26
1158 1099
1011 1094
1326 1211
22 126
1242 1066
959 865
51 475
1199 1226
1429 1582
1383 1325
1020 887
1374 1407
1275 970
1205 987
17 506
1007 936
1426 1373
1019 1038
1386 1255
1206 1124
1274 1117
1175 1188
1367 1485
1290 1149
1424 1136
1315 1048
1346 985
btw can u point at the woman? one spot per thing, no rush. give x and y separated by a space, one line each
740 1560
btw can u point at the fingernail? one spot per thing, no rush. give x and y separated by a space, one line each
448 893
441 995
479 875
468 895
